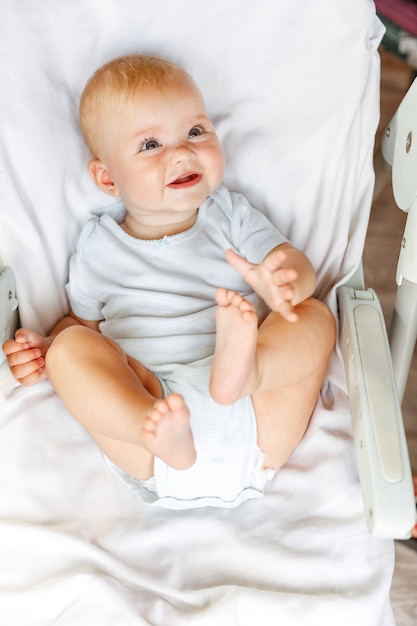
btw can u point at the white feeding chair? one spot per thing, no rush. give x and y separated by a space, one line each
376 369
293 90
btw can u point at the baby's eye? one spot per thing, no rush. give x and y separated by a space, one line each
195 131
150 144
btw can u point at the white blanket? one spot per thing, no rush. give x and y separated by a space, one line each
293 89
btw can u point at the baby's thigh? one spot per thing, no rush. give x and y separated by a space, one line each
149 380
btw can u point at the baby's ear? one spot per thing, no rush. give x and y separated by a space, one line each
102 178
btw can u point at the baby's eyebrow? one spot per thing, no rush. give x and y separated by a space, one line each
204 117
154 131
146 132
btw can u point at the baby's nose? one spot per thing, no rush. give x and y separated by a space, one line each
182 153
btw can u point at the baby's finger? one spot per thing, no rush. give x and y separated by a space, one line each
284 276
10 346
22 336
30 337
240 264
273 262
287 312
29 373
33 378
285 293
23 356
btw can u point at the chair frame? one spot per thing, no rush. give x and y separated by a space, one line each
377 364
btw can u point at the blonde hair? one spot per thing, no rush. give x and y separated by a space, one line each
123 77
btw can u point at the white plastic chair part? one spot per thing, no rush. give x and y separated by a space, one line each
403 332
357 280
407 260
8 306
382 455
399 148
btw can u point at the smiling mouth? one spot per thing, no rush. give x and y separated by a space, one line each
188 180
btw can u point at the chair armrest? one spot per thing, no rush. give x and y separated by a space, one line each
382 455
8 307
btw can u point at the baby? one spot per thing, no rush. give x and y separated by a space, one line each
193 352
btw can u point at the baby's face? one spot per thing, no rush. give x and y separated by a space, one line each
162 152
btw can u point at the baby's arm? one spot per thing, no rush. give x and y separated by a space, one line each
283 279
26 352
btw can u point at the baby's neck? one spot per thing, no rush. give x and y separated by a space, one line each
157 231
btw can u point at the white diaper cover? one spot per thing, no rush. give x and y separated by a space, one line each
230 466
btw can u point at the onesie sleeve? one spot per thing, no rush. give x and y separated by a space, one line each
82 293
253 235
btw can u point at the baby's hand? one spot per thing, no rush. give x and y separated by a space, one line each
271 281
26 356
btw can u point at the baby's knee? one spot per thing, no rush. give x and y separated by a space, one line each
323 320
68 342
319 334
328 324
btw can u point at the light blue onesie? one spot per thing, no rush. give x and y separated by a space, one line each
156 300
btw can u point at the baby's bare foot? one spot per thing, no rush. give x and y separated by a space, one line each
166 432
236 340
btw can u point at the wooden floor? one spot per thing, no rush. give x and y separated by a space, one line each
380 259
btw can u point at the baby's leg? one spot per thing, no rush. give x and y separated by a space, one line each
292 360
236 344
113 397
